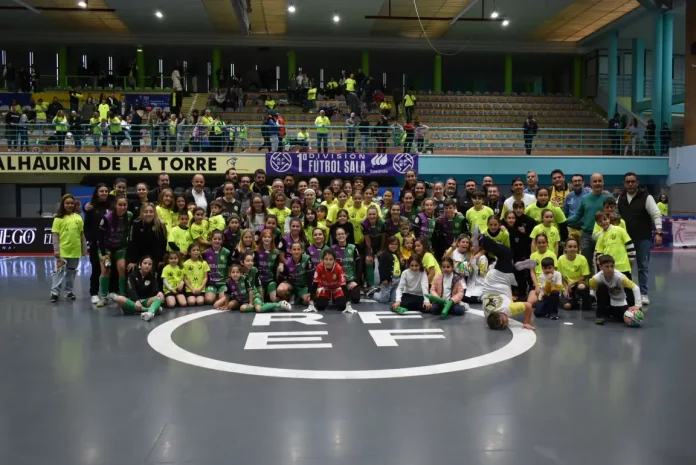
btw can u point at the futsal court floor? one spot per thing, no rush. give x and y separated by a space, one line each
81 385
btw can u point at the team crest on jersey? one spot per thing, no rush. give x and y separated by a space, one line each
147 282
333 276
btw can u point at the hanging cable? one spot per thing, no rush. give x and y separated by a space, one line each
466 43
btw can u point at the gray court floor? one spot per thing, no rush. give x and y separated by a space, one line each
83 386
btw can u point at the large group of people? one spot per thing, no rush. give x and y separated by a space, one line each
250 246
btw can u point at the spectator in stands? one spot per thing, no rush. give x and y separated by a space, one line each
532 183
35 79
103 108
409 104
650 130
40 109
112 101
382 134
60 122
633 135
53 109
77 129
12 120
364 129
75 97
331 89
639 210
270 104
665 139
385 108
323 124
133 74
311 102
281 132
137 130
292 90
351 124
88 108
615 135
10 76
368 89
124 107
177 91
350 83
530 129
397 97
409 129
154 119
198 193
420 132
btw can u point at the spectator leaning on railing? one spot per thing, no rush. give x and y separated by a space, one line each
53 109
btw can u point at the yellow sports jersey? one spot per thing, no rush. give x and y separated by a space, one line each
216 222
199 231
551 233
69 230
174 276
356 216
333 212
572 270
616 242
429 262
308 230
503 236
538 257
597 230
168 217
281 214
406 254
196 272
350 85
181 237
616 284
534 212
664 208
478 217
328 204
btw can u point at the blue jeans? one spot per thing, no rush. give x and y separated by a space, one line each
643 247
587 246
65 276
387 294
322 143
456 309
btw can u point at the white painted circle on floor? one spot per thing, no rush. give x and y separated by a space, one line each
568 323
160 339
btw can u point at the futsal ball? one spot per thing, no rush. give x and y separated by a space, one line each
633 319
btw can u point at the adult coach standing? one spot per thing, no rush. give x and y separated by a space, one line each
585 215
639 210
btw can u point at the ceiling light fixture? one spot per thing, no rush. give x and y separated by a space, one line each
291 8
82 4
140 50
494 14
159 14
506 22
336 18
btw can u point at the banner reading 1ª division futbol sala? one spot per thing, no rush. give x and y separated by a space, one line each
341 164
92 163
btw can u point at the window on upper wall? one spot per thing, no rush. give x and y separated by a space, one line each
628 64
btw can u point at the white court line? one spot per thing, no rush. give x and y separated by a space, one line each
160 339
2 259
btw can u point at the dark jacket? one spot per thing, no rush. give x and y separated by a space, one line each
153 195
530 127
141 287
93 218
52 110
77 125
145 240
386 265
639 224
188 195
520 243
464 203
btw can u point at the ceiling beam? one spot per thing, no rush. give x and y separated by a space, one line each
464 11
434 18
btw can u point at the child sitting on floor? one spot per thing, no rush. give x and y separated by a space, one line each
447 291
411 294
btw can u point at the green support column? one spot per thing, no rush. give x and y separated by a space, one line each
437 73
140 63
292 63
63 65
638 73
577 77
508 74
217 60
365 62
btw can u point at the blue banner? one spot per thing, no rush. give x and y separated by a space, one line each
22 99
341 164
149 100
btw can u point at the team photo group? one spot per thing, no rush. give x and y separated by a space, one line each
251 245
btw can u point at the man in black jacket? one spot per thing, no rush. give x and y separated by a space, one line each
465 202
12 132
530 128
77 129
75 97
615 134
199 194
639 210
53 109
259 186
162 183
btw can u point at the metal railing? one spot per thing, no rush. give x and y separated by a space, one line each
233 137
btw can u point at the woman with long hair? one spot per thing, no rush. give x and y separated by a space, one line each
113 241
148 236
95 210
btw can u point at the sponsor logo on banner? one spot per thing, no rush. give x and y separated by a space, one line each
91 163
369 164
26 236
684 233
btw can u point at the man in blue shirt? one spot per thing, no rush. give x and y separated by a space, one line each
532 183
572 203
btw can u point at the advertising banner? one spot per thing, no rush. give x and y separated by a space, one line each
341 164
30 236
116 163
149 100
683 233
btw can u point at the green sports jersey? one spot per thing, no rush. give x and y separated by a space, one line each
298 274
266 262
219 263
238 290
348 258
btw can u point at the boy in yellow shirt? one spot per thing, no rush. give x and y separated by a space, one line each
479 214
615 241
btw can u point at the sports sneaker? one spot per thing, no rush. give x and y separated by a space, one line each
285 305
310 309
70 296
349 309
465 305
401 310
528 264
371 291
101 303
645 299
112 296
554 317
95 299
599 321
147 316
54 298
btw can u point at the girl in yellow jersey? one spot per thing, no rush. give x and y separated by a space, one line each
542 251
173 281
199 229
195 276
575 272
165 209
68 246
